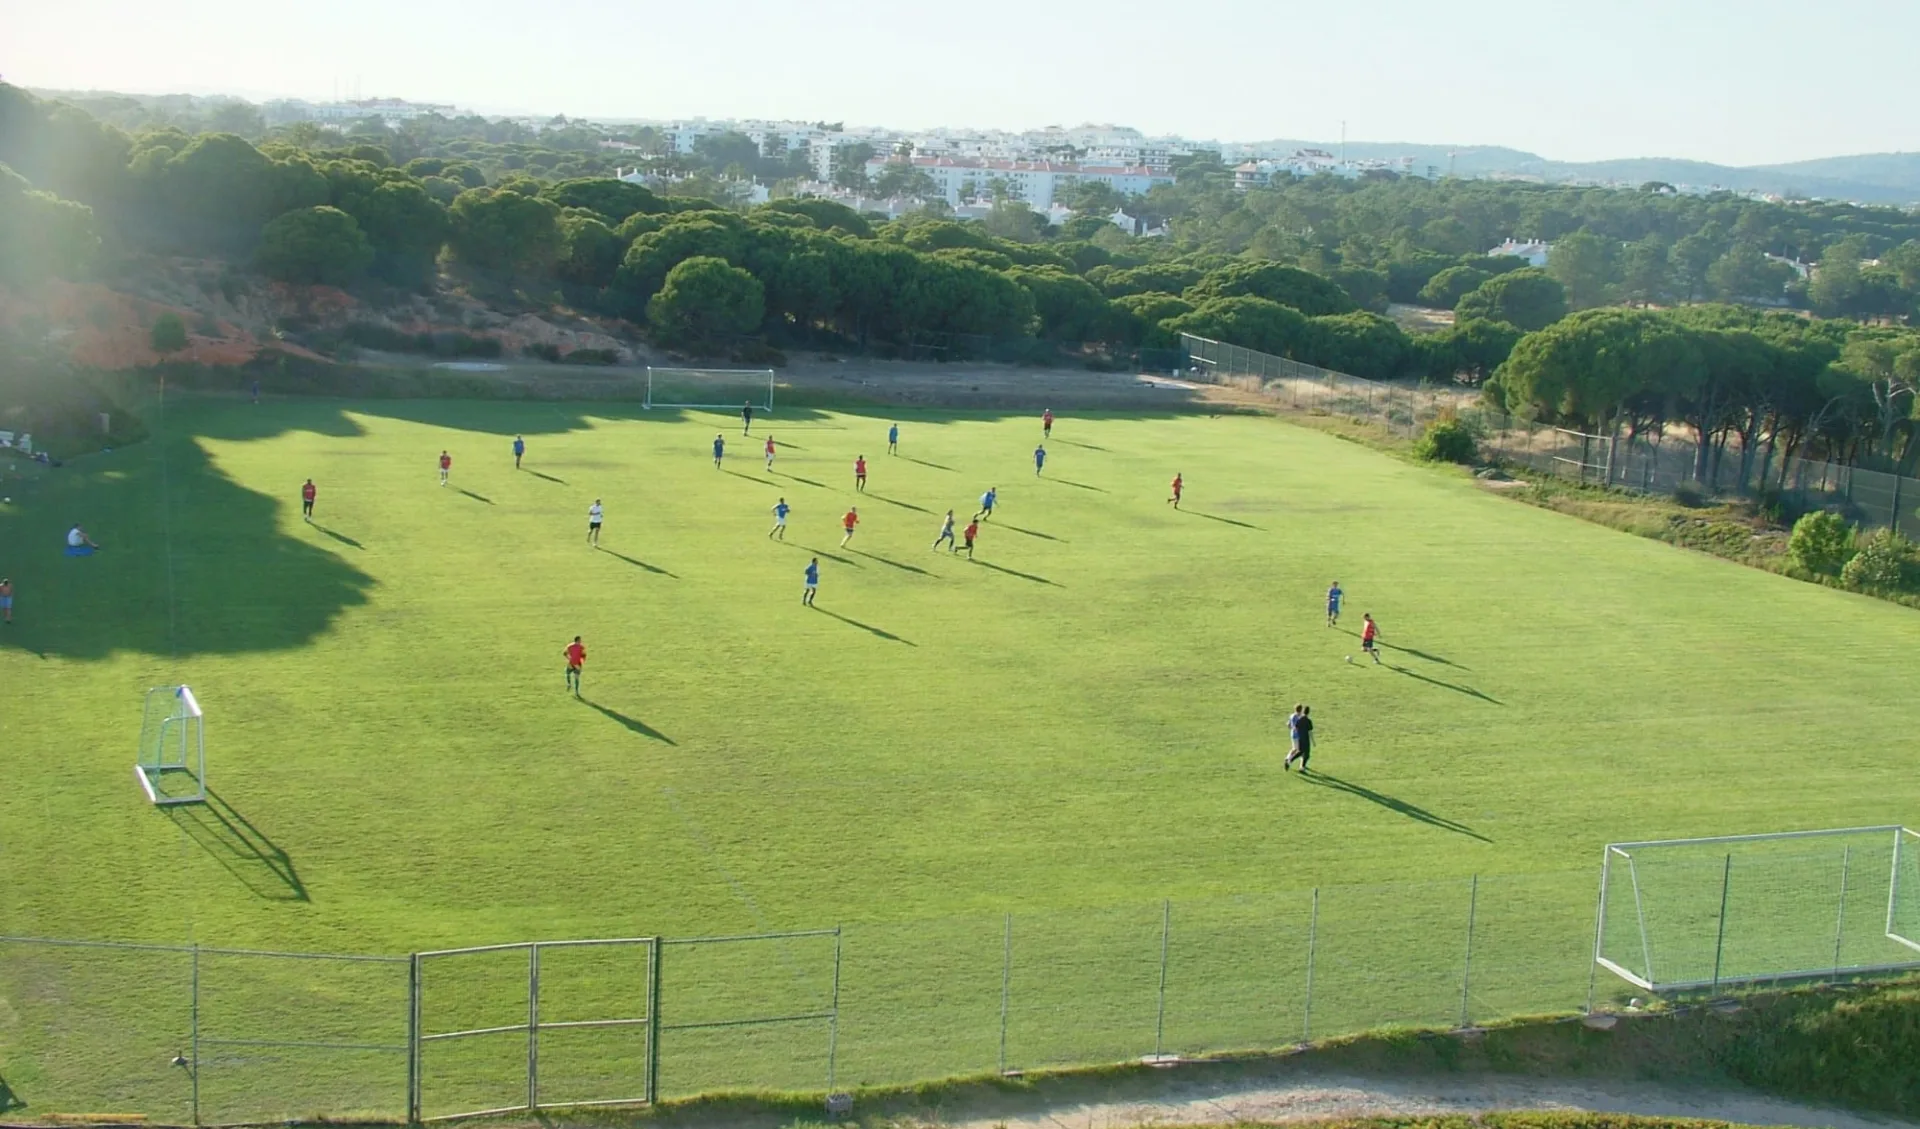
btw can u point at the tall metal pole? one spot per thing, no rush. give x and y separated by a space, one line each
1006 988
413 1039
833 1024
193 1062
1160 1020
1840 917
1720 939
1313 938
1466 974
533 1026
653 1025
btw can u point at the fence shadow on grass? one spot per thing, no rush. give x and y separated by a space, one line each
1453 686
637 562
866 627
1411 811
632 723
243 849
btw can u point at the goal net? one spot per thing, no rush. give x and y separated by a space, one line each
172 768
1685 914
717 388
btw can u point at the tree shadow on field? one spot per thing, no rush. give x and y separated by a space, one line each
866 627
895 564
1014 572
1411 811
1453 686
477 497
195 563
1228 520
632 723
246 851
340 537
637 563
902 505
547 477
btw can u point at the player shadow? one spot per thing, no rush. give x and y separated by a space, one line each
923 462
829 556
477 497
902 505
866 627
797 478
1081 485
1423 655
243 849
9 1098
637 563
1032 533
1454 686
1411 811
340 537
1084 446
1014 572
752 477
1228 520
633 723
548 477
895 564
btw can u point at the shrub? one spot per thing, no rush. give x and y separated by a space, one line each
169 334
1885 563
1446 440
1821 543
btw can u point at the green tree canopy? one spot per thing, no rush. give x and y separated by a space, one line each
504 231
705 299
1445 289
321 244
1524 298
1254 323
1311 294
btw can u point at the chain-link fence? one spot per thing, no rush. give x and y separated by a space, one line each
1654 464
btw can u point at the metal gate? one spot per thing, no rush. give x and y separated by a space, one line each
511 1028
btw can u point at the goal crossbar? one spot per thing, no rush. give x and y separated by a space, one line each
709 389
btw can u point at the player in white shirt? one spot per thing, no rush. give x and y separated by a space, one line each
594 514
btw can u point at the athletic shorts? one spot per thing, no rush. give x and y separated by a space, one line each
6 603
1366 644
779 521
593 525
969 542
812 584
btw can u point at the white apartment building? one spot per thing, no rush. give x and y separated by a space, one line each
1315 162
1035 182
1534 251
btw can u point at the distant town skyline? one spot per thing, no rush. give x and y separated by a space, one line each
1754 82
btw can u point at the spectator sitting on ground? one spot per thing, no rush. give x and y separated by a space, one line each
78 543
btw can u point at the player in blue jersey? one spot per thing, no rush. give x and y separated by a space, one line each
1039 460
986 503
813 582
519 448
893 439
780 512
1334 596
719 449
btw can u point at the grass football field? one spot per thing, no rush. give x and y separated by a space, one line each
1083 721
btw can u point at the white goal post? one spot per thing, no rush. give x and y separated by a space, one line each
1680 915
172 768
710 388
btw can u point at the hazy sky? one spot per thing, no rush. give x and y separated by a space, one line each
1734 81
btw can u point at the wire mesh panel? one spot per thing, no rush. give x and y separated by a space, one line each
1389 955
1237 973
1527 959
1703 913
710 388
475 1034
1084 985
593 1017
921 999
96 1028
285 1037
749 1012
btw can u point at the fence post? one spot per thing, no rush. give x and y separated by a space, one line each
533 1026
193 1074
413 1039
1466 973
1160 1018
1006 987
1720 938
1840 918
833 1024
1895 520
1313 939
653 1024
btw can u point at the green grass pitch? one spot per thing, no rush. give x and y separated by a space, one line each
1083 721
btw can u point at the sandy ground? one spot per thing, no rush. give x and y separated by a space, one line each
1339 1096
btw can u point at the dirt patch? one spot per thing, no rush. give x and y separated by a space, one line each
1420 319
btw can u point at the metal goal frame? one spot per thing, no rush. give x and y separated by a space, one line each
173 743
743 378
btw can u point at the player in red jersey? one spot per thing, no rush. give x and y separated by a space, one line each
446 465
1179 484
769 452
1369 635
1046 424
850 520
576 653
307 494
860 473
968 534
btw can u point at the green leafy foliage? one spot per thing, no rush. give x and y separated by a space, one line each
1308 293
1528 299
1447 439
1255 323
169 334
314 245
506 231
1885 562
705 298
1822 543
1445 289
43 235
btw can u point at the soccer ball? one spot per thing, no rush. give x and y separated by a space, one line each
1349 658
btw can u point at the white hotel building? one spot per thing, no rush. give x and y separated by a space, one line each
1036 182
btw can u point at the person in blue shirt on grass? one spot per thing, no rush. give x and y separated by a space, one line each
519 448
780 512
813 582
893 439
986 503
719 449
1039 460
1334 596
